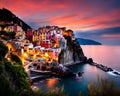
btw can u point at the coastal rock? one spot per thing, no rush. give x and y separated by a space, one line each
72 54
90 60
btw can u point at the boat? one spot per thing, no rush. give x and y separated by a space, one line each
80 73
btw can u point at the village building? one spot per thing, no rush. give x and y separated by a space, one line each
46 42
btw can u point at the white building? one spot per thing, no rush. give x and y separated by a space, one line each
27 46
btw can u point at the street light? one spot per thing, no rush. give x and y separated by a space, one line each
25 55
8 59
46 55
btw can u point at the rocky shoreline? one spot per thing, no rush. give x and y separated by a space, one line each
59 71
63 71
103 67
76 62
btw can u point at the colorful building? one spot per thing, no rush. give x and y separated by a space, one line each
48 41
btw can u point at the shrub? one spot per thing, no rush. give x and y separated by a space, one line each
56 92
3 49
103 87
15 58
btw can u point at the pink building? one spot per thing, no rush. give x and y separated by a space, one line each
29 34
17 28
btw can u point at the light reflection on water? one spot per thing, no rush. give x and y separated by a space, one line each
51 82
106 55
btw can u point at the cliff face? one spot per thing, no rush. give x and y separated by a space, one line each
72 54
67 56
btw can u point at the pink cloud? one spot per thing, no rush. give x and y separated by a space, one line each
77 15
111 36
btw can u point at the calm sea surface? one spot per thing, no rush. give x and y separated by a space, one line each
106 55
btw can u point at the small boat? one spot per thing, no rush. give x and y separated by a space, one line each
78 77
80 73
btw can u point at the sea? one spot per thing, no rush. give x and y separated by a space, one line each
102 54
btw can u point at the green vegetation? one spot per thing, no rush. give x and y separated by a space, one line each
19 76
15 58
3 50
14 81
7 35
56 92
103 87
5 87
13 78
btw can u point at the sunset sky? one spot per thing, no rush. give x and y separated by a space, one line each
93 19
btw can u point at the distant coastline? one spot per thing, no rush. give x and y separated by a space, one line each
83 41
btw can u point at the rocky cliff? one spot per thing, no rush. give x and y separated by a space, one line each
72 54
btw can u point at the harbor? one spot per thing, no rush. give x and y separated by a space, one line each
42 67
45 71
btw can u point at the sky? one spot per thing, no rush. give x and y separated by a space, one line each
92 19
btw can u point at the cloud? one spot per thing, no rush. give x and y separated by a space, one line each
103 35
113 30
105 20
90 16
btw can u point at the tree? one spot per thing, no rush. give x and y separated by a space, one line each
5 87
3 49
15 58
7 35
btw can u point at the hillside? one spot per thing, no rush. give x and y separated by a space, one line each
87 42
8 18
